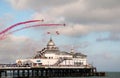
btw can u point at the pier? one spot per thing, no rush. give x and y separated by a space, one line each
46 71
51 62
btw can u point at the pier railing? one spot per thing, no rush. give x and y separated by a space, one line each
6 66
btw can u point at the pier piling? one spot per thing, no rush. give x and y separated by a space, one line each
50 72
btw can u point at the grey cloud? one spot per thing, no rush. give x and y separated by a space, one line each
13 48
38 4
76 11
79 30
91 13
94 16
79 11
104 3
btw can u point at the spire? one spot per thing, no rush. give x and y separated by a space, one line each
72 50
51 38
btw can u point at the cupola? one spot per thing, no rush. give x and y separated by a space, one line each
51 45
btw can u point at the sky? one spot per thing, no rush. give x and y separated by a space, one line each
92 28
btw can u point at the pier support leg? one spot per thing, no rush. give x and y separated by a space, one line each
42 73
0 73
5 73
13 73
23 73
18 73
32 73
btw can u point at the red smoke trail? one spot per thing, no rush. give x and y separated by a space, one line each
3 37
36 26
7 29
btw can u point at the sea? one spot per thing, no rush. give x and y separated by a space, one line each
108 75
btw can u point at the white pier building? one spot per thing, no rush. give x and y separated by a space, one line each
51 56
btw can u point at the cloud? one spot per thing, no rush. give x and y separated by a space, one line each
104 3
86 16
76 47
14 47
38 4
48 18
76 11
78 30
92 11
82 11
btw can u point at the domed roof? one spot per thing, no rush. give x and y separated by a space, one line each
51 43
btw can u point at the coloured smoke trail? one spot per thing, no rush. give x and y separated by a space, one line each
38 25
4 33
18 24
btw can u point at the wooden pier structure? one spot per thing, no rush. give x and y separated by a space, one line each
48 72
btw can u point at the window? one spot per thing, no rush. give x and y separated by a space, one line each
78 63
50 57
38 61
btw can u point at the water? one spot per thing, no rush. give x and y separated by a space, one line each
108 75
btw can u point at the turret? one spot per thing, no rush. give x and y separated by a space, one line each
51 45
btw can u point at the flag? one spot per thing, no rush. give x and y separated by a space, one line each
48 32
57 33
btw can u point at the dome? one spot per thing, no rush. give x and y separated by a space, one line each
51 43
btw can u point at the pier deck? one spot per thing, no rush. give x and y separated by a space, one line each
47 71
